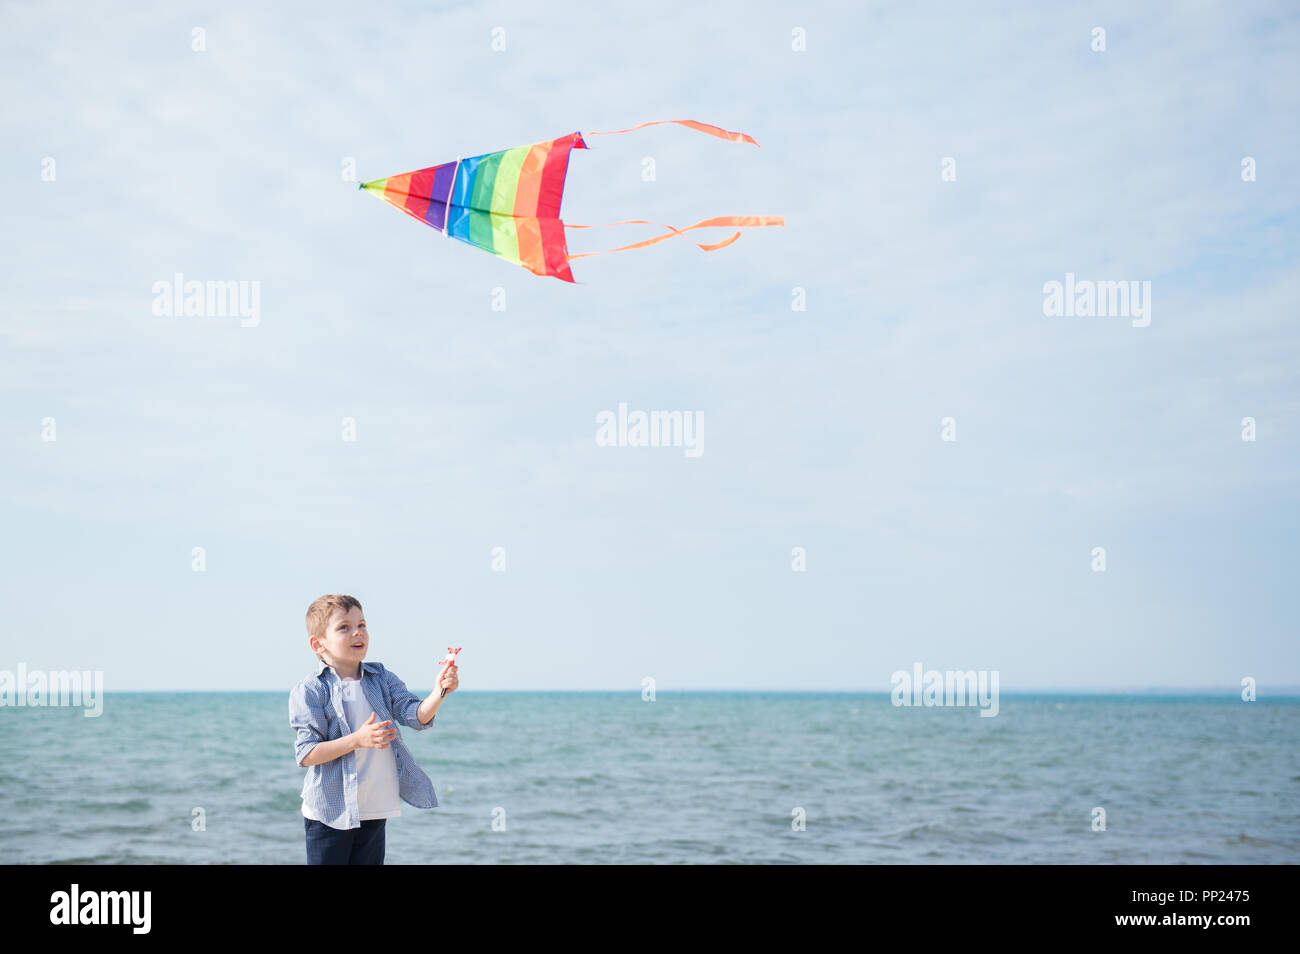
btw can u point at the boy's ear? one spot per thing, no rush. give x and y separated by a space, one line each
311 642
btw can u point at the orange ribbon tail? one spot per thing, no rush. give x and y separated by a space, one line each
725 221
689 124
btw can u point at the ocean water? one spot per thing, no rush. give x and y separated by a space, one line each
712 777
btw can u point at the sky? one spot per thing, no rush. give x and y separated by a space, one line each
937 166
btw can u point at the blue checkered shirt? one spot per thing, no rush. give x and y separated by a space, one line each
316 714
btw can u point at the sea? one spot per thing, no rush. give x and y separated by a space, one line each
681 778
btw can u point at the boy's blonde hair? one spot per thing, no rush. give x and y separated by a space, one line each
319 613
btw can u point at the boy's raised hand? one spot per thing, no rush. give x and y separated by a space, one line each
374 736
447 679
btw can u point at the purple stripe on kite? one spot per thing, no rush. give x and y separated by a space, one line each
442 181
428 198
436 215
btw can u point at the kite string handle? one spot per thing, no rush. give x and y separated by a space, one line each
725 221
717 131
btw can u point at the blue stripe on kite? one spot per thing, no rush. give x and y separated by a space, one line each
464 187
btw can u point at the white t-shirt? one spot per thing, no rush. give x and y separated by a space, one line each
377 791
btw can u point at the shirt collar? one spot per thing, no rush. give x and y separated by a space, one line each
322 665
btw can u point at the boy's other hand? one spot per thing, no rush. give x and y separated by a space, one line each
447 679
374 736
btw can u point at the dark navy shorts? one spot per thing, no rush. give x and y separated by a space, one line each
348 846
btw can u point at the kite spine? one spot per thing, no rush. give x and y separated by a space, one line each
446 212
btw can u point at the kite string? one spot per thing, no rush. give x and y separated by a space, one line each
717 131
725 221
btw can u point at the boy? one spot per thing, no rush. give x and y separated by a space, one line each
354 779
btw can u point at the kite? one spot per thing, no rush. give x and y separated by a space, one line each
508 202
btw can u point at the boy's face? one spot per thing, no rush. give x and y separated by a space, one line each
345 642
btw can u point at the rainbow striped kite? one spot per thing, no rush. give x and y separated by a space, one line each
508 202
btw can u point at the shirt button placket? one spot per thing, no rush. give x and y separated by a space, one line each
350 779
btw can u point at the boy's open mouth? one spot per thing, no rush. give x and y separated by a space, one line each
358 645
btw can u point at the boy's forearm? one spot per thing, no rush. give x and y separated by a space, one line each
429 707
329 751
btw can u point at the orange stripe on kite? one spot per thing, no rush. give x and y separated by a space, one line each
530 179
531 253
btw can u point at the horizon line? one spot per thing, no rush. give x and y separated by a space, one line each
1289 690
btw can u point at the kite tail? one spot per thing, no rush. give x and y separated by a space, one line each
689 124
725 221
